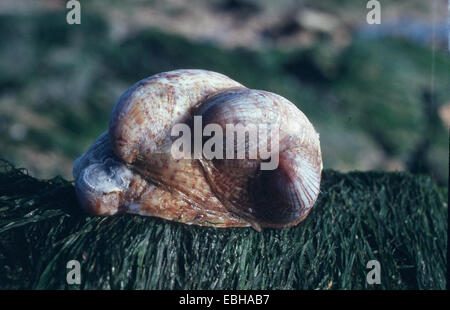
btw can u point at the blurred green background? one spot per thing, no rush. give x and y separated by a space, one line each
378 95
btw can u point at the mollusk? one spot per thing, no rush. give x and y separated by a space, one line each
130 167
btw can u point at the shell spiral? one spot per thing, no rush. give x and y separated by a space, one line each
130 167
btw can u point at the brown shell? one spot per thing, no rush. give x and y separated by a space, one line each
130 167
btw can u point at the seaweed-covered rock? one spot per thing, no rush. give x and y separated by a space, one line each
396 218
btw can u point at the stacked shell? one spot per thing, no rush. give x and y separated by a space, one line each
131 168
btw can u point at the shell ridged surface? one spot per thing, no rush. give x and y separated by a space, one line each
130 168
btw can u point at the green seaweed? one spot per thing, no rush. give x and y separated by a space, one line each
396 218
